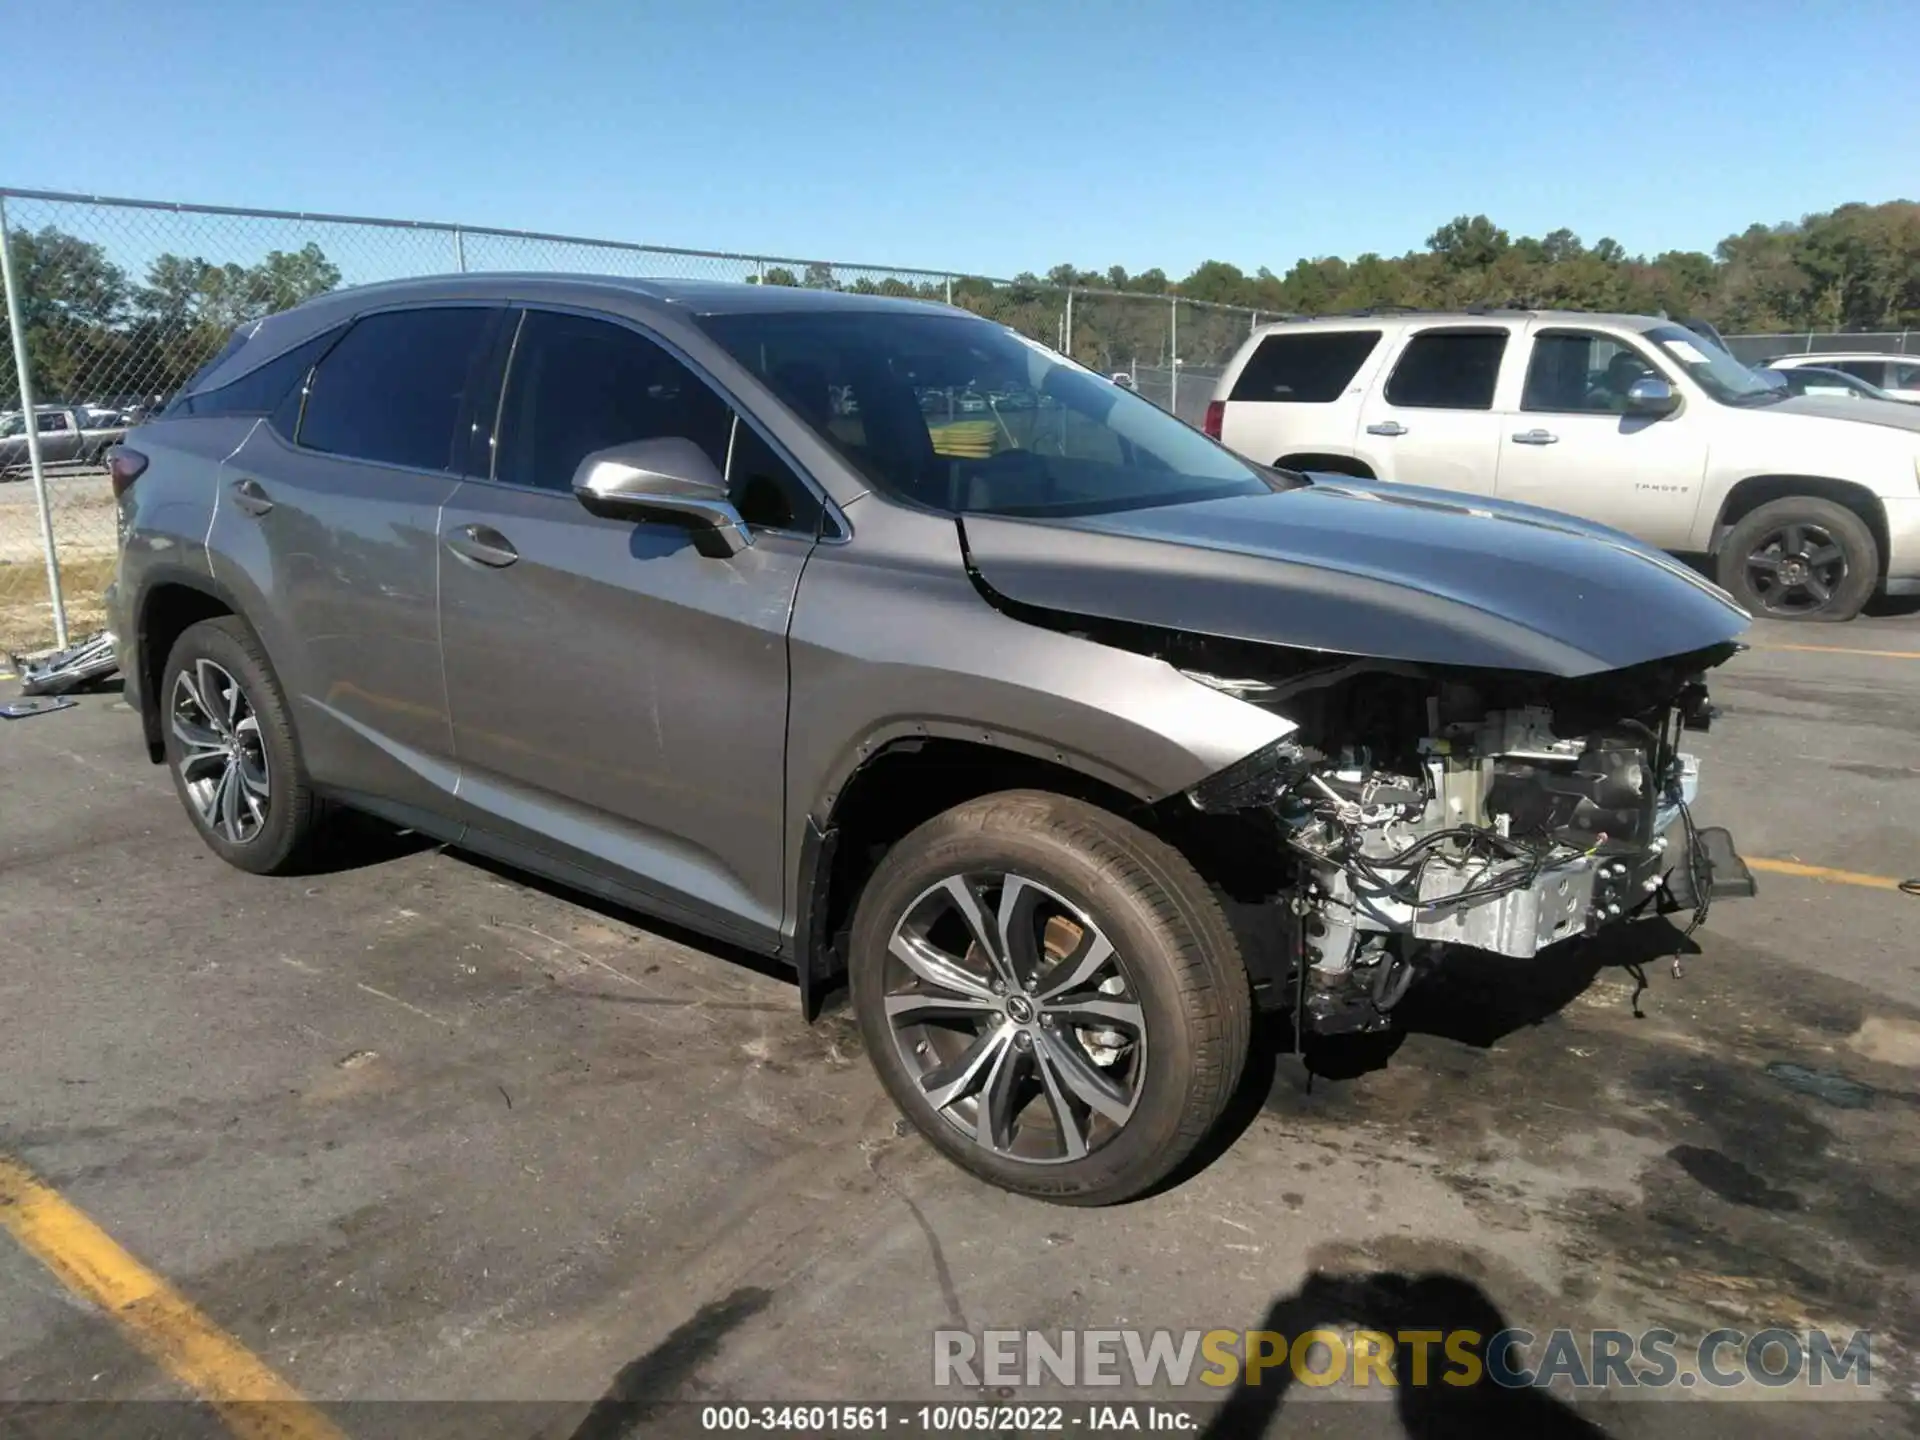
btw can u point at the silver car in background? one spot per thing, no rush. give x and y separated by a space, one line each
1063 736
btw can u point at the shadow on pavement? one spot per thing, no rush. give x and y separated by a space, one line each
1395 1303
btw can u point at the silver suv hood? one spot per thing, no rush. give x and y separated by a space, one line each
1362 568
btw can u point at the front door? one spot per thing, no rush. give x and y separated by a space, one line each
1571 445
1432 423
619 700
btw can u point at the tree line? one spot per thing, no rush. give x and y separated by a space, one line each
93 330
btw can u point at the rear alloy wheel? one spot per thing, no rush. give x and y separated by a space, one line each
1801 559
231 748
223 764
1051 995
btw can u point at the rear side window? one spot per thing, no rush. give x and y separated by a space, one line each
1311 367
392 390
1448 370
260 391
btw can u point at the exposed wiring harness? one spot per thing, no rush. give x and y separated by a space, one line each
1367 874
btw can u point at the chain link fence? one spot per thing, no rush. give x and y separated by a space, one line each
113 304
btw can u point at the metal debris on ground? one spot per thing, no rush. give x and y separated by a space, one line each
21 709
80 664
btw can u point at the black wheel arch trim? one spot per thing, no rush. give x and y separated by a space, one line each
812 949
155 578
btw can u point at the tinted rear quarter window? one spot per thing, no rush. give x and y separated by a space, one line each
262 390
392 390
1448 370
1305 368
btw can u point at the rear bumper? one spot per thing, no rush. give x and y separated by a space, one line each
126 645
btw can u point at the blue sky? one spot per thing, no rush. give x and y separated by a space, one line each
983 137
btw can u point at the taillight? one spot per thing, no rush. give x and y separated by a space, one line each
124 466
1216 413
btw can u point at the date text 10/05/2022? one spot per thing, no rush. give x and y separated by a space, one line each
951 1419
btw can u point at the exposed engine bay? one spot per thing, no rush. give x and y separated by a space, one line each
1422 807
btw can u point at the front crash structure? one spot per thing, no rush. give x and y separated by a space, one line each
1424 807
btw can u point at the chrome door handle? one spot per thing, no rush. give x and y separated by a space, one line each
484 544
1389 427
1535 437
250 497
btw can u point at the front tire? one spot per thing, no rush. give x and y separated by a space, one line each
231 749
1051 995
1800 558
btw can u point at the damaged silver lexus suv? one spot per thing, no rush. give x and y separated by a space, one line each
869 635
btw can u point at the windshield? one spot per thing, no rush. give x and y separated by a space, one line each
964 415
1713 369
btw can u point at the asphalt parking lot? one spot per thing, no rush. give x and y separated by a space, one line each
415 1129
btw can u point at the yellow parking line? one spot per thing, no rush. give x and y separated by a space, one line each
1846 650
255 1403
1821 872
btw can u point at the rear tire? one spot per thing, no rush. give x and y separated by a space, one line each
231 750
1800 558
1123 1032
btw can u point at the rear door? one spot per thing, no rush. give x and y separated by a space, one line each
1432 422
1567 443
619 700
331 508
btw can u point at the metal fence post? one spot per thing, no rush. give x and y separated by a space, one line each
948 280
23 370
459 250
1068 351
1173 356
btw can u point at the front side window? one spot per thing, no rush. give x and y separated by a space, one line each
1304 367
578 385
1579 372
53 424
1448 370
392 390
963 415
1902 377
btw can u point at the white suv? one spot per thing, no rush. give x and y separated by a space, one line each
1898 375
1804 505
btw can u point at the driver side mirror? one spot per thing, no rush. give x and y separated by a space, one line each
1650 395
669 481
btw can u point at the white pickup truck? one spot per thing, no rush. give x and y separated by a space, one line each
1802 506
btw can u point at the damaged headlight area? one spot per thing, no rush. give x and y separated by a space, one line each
1420 809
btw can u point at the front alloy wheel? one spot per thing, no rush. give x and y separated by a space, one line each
1013 1013
1051 994
223 764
